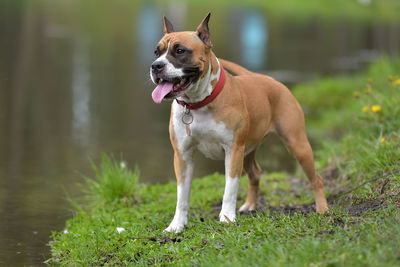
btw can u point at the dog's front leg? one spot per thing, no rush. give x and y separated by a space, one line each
183 165
233 170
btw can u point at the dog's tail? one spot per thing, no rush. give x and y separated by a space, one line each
234 68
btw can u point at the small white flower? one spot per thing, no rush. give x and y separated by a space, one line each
120 230
65 231
122 164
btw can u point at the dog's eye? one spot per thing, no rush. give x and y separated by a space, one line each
180 51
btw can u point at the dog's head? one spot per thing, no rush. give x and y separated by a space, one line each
182 59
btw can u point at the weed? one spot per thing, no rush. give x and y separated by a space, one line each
113 182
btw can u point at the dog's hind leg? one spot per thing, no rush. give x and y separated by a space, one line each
296 141
254 173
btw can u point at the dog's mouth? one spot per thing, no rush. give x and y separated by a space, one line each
170 88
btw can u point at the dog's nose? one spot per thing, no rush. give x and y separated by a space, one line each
157 66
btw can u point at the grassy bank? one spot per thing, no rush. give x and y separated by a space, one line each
355 120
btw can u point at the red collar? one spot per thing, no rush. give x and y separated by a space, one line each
209 98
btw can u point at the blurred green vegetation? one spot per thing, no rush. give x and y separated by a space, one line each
373 10
313 9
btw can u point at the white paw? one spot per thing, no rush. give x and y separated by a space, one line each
247 208
227 217
175 227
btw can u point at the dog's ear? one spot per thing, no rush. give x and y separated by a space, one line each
203 32
167 26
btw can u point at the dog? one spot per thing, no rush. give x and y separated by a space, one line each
224 116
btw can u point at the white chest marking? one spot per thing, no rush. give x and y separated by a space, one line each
211 138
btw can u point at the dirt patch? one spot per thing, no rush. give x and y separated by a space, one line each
161 240
293 208
369 205
262 207
355 207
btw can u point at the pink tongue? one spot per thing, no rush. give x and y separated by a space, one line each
161 91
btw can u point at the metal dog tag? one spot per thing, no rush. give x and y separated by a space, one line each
188 130
187 119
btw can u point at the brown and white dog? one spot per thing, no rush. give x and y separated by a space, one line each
225 117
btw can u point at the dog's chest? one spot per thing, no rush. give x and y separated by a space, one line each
210 137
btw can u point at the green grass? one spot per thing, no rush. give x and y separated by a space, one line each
364 189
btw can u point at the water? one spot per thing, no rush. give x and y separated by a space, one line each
74 84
